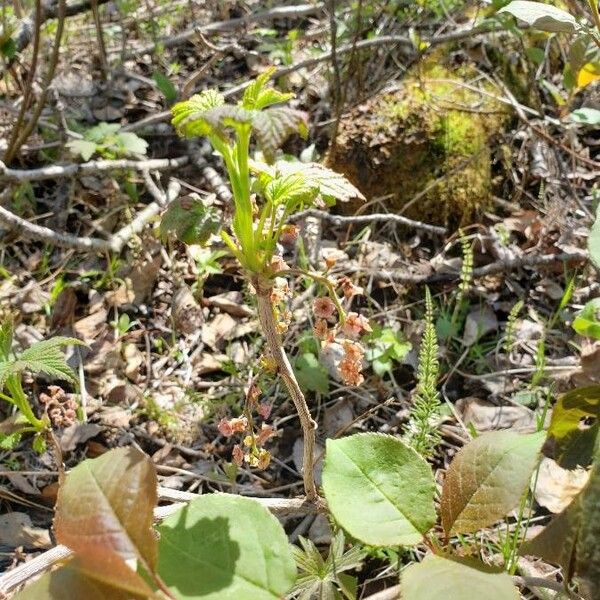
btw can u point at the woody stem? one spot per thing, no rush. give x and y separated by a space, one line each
268 324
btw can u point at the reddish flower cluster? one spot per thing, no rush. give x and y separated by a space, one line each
251 450
352 326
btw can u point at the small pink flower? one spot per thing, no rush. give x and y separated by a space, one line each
349 288
350 372
324 308
228 427
237 455
355 325
266 432
289 234
321 329
264 410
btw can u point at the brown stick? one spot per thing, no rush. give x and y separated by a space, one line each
269 329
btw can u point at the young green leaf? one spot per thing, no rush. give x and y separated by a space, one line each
257 96
379 490
163 83
222 547
84 148
42 357
452 578
104 514
544 17
274 125
573 431
188 116
130 143
487 478
190 220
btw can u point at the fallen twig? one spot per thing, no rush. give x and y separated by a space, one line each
87 168
11 580
280 12
115 243
501 266
365 219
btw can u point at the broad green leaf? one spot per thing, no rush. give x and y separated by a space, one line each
274 125
438 578
104 514
69 582
165 86
290 188
544 17
312 375
130 143
223 547
42 357
378 489
188 116
594 241
574 427
190 221
586 322
487 478
587 116
332 186
84 148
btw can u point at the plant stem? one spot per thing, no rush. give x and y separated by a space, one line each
269 327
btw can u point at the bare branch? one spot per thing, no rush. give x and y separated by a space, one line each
366 219
93 166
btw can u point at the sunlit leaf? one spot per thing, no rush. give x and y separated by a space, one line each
188 116
487 478
574 427
41 357
452 578
130 143
378 489
257 96
586 116
104 514
588 73
544 17
84 148
190 221
222 547
332 185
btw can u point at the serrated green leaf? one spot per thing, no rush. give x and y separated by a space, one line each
188 116
574 427
190 221
10 441
544 17
223 547
101 132
311 374
274 125
378 489
452 578
487 479
586 322
42 357
290 188
332 186
84 148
